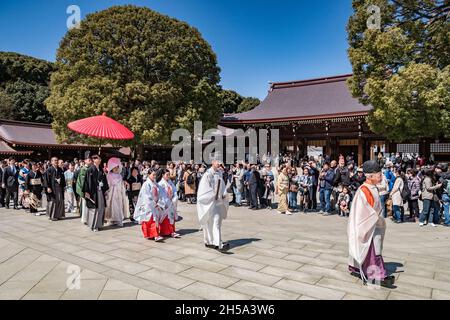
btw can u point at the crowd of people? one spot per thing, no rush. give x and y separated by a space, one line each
107 193
409 184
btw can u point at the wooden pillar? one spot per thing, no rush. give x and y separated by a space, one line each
425 148
328 147
294 131
360 151
304 147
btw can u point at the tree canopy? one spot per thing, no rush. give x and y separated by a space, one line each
150 72
402 67
24 87
233 102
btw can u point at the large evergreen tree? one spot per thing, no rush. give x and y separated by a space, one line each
24 87
402 67
152 73
233 102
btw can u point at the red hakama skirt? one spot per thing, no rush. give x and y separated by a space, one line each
151 231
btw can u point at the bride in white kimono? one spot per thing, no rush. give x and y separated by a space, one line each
117 204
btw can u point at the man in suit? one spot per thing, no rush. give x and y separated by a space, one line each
253 183
11 183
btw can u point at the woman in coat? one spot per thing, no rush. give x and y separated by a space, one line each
396 195
429 198
414 184
190 184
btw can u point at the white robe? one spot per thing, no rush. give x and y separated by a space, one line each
171 202
365 224
148 205
212 211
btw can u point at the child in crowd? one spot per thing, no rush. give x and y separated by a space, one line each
344 202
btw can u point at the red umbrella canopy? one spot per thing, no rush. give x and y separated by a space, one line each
102 127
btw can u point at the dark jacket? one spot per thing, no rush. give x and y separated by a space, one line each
132 180
342 176
357 181
92 181
327 181
50 180
314 173
254 178
10 179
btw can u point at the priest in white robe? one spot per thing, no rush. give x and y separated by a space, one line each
366 230
212 206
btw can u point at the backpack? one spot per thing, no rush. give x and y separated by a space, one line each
447 188
406 192
190 179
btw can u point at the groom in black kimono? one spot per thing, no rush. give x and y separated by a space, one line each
54 184
94 188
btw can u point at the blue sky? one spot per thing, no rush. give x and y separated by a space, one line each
256 41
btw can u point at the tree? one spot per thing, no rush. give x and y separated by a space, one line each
248 104
402 68
6 105
233 102
150 72
24 85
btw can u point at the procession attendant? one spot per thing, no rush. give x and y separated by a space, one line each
79 188
54 184
151 210
212 206
172 200
94 188
366 230
117 205
33 184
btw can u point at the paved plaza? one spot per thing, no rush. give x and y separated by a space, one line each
271 257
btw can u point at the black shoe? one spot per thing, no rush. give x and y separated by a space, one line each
388 282
16 208
210 246
225 247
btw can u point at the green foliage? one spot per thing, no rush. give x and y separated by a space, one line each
150 72
248 104
233 102
24 87
402 68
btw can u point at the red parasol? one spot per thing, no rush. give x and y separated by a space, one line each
101 127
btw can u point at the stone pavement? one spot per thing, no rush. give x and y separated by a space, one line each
272 257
